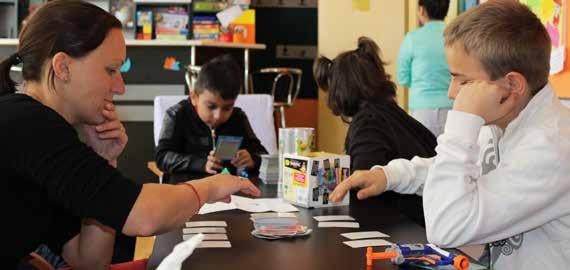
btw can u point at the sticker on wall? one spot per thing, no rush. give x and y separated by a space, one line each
126 66
552 15
361 5
170 63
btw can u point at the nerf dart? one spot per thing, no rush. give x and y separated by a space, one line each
411 254
371 256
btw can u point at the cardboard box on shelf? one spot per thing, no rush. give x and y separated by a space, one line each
243 27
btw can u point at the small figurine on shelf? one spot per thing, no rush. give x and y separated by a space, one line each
144 24
124 11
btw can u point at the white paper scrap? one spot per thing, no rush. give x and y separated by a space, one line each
277 205
206 224
215 244
249 205
203 230
364 235
226 16
333 218
367 243
180 253
339 224
216 207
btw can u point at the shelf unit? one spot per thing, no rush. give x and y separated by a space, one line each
193 44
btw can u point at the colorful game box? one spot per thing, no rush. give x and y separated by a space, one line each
309 179
243 27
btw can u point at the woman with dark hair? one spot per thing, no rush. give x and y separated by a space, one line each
361 93
56 189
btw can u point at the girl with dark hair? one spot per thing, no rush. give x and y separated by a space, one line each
361 93
58 190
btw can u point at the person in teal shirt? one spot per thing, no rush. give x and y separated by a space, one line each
422 67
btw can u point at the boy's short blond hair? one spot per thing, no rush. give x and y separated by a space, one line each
505 36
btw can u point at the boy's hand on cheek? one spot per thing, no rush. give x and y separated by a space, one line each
243 160
213 164
484 99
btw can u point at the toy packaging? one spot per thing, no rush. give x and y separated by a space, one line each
309 178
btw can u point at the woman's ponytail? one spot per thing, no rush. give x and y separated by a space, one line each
322 72
7 85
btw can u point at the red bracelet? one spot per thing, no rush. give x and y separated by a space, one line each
195 192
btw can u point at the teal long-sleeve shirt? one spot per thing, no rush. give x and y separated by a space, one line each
422 67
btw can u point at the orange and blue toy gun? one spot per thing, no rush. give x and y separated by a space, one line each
418 254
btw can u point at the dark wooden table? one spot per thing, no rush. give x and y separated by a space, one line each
322 249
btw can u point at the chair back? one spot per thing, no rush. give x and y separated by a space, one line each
191 75
285 84
257 107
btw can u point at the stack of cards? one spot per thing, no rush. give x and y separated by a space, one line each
337 221
269 169
366 239
277 226
360 239
215 235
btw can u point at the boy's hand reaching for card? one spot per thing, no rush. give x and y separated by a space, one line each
370 183
213 164
243 160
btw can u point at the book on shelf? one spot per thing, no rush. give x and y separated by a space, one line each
209 6
144 24
205 27
171 24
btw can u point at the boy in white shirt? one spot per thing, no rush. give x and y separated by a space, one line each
502 172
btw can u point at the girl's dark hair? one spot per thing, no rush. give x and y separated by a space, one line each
70 26
221 75
436 9
353 78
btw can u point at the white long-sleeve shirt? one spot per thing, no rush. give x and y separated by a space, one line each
511 190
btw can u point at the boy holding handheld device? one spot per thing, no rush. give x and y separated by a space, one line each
194 128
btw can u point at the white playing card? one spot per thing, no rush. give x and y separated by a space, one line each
367 243
206 224
203 230
210 236
363 235
339 224
215 244
333 218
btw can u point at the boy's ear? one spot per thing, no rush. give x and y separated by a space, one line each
193 98
516 83
60 64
